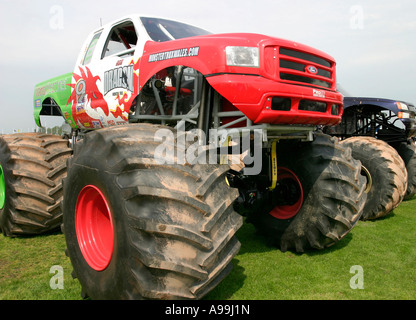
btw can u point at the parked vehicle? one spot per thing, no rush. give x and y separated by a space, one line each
381 134
157 110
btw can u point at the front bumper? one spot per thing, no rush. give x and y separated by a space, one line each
256 97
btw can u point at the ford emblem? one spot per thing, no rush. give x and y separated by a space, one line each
312 69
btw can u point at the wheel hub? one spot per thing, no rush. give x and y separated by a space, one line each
290 193
94 228
367 175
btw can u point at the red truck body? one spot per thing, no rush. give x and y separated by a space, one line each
252 90
290 84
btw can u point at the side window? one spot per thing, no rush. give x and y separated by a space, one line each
121 41
91 48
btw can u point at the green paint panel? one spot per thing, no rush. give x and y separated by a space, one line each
2 188
59 90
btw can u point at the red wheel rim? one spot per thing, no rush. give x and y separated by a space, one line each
288 211
94 228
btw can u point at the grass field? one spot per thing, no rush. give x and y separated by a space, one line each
384 250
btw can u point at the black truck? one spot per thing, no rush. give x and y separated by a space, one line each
381 133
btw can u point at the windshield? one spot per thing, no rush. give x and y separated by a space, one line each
161 30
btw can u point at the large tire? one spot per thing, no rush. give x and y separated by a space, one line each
138 229
408 153
386 174
327 196
32 167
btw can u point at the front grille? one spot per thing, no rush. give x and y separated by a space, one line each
305 68
281 104
311 105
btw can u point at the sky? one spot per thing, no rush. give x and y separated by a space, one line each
373 41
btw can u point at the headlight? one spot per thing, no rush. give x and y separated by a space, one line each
243 56
404 115
402 106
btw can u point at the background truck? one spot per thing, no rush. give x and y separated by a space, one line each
174 131
381 134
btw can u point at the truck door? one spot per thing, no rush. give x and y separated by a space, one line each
119 73
108 77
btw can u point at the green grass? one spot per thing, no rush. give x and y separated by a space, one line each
385 249
25 265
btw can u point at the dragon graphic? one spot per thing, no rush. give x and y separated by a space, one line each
124 102
88 105
86 98
121 101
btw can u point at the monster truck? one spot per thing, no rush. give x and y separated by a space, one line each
174 131
380 133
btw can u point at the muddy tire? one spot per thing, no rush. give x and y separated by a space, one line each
32 167
162 231
386 174
408 153
327 192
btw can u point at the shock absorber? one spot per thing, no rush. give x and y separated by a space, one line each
273 166
373 125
